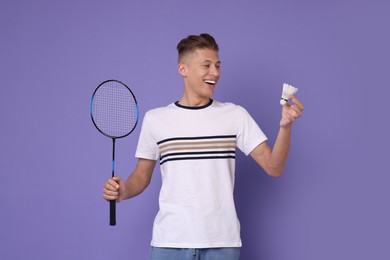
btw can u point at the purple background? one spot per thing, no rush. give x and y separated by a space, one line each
331 203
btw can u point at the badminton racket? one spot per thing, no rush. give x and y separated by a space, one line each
114 112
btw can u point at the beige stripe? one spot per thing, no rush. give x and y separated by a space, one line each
198 143
196 148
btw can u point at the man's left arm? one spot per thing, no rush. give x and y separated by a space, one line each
273 160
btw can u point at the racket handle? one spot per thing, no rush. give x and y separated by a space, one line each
112 213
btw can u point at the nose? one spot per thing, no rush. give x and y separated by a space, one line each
214 70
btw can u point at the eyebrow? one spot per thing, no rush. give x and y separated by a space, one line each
210 61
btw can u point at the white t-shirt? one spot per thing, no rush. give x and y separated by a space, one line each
196 150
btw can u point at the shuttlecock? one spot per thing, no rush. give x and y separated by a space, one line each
288 91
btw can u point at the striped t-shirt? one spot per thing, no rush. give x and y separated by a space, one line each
196 148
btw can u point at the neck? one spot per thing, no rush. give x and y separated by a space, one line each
193 101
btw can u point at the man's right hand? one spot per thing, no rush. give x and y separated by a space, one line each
114 189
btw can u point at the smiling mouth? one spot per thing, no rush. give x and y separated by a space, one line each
210 82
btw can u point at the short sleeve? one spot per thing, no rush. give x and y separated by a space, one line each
249 134
147 145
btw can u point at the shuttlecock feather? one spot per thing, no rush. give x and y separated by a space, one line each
288 91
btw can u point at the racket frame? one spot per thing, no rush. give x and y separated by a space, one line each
135 101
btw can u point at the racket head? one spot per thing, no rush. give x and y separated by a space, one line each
114 109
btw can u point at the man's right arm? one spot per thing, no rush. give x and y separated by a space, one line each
116 189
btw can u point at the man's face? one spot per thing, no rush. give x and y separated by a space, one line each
201 71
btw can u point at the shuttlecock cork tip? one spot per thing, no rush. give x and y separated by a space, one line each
283 101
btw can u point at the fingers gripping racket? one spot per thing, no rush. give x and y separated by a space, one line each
114 112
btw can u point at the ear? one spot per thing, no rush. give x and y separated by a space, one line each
182 69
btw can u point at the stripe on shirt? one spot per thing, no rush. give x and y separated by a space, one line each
197 148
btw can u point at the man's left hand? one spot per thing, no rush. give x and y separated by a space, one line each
290 113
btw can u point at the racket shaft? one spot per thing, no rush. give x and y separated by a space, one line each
112 202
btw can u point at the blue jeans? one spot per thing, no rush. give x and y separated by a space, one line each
223 253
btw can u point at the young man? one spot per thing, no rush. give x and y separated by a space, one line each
195 140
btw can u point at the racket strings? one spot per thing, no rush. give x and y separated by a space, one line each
114 109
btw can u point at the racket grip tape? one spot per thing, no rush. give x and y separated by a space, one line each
112 213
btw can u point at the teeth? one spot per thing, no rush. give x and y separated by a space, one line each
210 82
